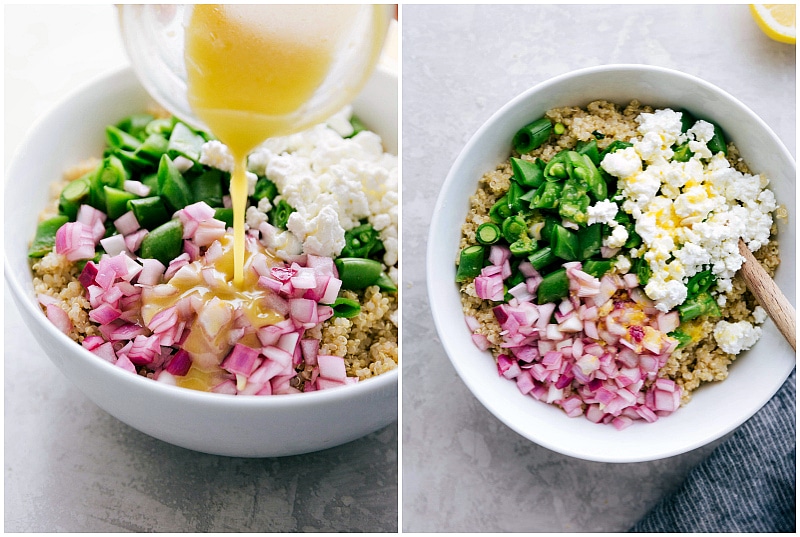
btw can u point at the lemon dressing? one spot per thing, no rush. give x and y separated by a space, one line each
250 72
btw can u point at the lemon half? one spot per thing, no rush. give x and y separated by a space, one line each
776 20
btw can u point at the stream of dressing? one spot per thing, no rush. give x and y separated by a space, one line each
250 72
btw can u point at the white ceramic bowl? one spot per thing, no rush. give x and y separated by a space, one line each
715 409
212 423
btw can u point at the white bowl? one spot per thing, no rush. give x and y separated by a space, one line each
715 409
220 424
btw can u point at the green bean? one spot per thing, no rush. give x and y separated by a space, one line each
590 239
616 145
487 233
45 238
565 244
111 173
225 214
542 257
149 212
642 270
702 304
687 120
597 185
345 307
513 196
357 124
208 187
532 135
164 243
265 189
162 126
596 267
470 262
700 283
717 143
523 246
553 287
172 187
358 273
385 283
683 339
183 141
75 194
153 147
117 201
682 153
590 150
361 241
117 138
547 196
574 202
500 210
279 215
514 227
526 173
136 125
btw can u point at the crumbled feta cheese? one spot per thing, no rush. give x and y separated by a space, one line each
217 155
622 264
666 294
602 212
734 338
691 214
622 163
617 238
759 315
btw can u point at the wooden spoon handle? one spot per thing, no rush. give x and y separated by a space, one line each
769 295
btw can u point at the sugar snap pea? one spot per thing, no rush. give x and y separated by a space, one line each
164 243
487 233
470 262
532 135
45 238
75 194
359 273
150 212
346 307
172 187
547 196
527 173
553 287
117 201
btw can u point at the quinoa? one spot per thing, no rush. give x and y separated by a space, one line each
699 362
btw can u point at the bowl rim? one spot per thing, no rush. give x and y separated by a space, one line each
24 297
443 325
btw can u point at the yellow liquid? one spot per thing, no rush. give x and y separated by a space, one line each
249 72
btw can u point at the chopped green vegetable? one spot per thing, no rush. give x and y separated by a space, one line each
553 287
500 211
150 212
164 243
345 307
45 239
532 135
279 215
265 189
702 304
358 273
470 262
117 201
225 215
526 173
172 187
487 233
75 194
208 187
361 241
542 257
183 141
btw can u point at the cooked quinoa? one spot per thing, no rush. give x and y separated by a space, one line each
698 362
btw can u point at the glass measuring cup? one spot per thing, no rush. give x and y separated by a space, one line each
154 38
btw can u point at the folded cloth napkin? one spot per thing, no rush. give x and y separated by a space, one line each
747 484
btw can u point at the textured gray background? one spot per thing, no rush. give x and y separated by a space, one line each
463 470
69 466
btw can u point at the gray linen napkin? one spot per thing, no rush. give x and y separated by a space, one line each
748 482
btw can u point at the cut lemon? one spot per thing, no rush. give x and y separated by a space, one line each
776 20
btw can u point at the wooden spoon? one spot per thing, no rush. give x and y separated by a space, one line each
768 295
